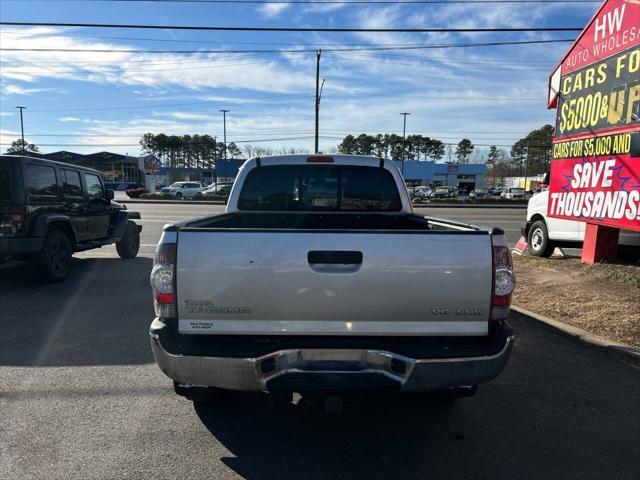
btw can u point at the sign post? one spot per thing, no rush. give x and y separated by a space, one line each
595 170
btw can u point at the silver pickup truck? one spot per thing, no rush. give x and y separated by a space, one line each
320 278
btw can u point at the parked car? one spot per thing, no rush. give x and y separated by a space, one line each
479 193
183 189
496 192
315 239
513 193
48 210
421 190
544 233
219 190
426 193
444 192
462 192
134 191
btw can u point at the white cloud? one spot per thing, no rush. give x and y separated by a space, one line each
191 71
6 114
270 10
192 116
18 90
69 119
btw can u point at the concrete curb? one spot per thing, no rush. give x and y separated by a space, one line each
623 351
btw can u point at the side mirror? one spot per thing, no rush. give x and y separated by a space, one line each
109 194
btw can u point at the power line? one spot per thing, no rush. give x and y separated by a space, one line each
324 137
294 29
447 59
288 96
423 64
341 44
163 105
102 145
172 40
114 66
417 47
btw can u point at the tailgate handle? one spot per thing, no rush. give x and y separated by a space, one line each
334 257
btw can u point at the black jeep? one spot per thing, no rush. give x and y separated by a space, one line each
48 210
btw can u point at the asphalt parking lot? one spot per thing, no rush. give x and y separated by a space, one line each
81 397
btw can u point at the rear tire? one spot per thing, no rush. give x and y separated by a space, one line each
129 244
538 240
53 263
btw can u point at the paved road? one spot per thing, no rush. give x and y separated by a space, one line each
80 397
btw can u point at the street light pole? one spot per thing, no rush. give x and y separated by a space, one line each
224 126
22 127
526 165
404 132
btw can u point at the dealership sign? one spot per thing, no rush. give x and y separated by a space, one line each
152 165
595 171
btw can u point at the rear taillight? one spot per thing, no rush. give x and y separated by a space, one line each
17 213
320 159
13 220
163 281
504 280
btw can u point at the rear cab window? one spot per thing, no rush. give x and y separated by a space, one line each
41 181
319 188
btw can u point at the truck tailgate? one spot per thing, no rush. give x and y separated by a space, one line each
330 283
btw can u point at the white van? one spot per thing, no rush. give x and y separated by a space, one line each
544 233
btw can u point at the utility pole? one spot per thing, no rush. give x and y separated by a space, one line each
404 138
22 127
224 126
318 96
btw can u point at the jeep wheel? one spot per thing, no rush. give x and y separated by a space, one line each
129 245
53 263
179 195
538 239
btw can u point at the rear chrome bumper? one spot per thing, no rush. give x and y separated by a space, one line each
342 369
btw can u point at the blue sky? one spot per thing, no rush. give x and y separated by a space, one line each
492 95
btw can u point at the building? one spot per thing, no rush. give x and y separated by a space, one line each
528 183
115 168
467 176
121 171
